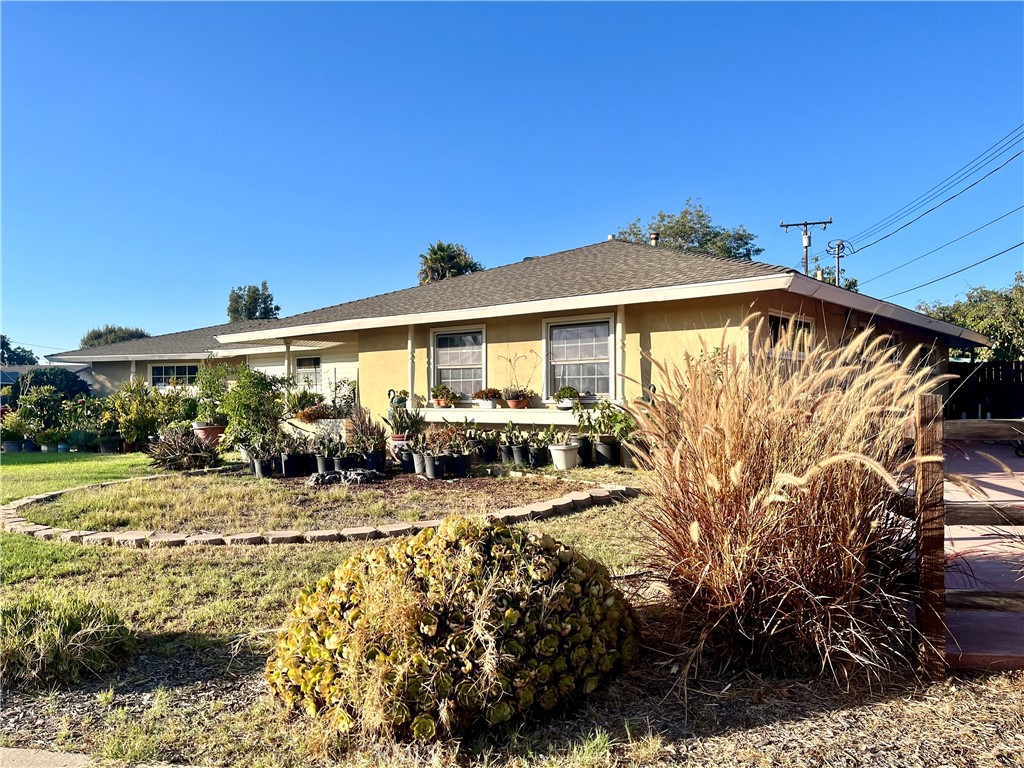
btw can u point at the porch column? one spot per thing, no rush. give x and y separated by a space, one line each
287 358
620 352
411 346
131 376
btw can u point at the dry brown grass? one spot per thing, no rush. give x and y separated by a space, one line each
774 524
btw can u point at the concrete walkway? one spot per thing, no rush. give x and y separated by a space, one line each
985 558
37 758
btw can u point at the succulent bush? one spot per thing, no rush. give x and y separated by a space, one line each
452 630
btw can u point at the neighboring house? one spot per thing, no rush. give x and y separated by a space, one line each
581 317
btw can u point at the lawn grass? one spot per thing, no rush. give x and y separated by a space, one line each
194 692
26 474
234 503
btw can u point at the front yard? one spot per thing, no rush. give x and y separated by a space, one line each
26 474
194 692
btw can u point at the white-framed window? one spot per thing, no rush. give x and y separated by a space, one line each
579 353
780 323
166 375
458 360
307 372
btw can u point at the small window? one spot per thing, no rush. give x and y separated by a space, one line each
802 328
174 375
459 361
307 372
579 356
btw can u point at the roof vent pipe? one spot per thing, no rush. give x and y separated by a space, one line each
654 238
611 237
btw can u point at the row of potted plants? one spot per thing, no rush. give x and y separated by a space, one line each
515 396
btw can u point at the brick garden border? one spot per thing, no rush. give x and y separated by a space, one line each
12 521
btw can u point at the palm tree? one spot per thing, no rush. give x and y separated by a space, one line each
446 260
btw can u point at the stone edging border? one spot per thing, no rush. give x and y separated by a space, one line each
13 522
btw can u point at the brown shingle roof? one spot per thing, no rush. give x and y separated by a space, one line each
605 267
196 342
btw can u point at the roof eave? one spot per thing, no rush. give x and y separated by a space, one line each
568 303
816 289
63 358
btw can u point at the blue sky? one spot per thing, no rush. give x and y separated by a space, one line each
155 155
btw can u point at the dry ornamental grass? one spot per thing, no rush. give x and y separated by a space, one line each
775 524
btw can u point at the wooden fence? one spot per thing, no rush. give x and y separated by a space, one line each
994 388
934 514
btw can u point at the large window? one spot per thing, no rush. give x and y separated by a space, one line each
181 375
579 356
307 372
459 361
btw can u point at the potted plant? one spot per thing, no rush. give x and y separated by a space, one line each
585 433
485 398
488 445
517 397
12 431
211 385
371 437
47 438
62 436
404 423
564 451
109 432
566 398
262 452
457 457
417 444
539 442
443 396
292 447
612 425
325 447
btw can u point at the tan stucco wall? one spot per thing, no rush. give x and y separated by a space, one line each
107 377
668 330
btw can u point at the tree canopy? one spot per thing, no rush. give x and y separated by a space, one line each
11 355
111 334
252 302
66 383
998 314
444 260
693 230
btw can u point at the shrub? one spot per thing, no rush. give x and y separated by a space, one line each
775 521
54 640
465 627
13 426
313 413
297 400
179 448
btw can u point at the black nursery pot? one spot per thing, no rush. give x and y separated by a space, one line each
262 468
609 453
418 465
489 453
374 460
538 457
457 466
339 463
324 463
506 454
521 455
291 465
585 451
433 467
405 460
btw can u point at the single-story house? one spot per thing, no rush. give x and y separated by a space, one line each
580 317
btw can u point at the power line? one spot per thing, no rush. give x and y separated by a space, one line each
936 207
969 266
936 250
1000 148
30 344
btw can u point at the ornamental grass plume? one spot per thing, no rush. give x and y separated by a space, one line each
776 524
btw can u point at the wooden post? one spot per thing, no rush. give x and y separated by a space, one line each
931 536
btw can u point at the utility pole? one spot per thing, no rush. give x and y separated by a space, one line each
837 249
806 225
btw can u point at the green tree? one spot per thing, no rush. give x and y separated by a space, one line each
10 355
693 230
111 334
66 383
828 275
443 260
252 302
998 314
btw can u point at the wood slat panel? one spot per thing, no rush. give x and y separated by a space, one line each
931 535
983 600
984 513
983 429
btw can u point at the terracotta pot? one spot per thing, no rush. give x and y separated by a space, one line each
518 403
209 433
440 403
